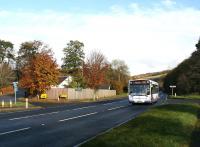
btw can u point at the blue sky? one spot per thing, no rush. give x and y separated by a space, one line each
149 35
83 5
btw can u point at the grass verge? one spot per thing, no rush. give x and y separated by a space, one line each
16 107
18 104
191 96
169 125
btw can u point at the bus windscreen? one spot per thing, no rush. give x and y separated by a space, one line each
139 89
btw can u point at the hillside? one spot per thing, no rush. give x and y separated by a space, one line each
153 75
156 76
186 76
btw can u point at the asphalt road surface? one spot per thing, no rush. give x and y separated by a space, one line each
68 125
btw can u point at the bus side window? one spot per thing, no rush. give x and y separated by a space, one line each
155 89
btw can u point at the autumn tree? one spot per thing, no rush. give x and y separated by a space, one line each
29 50
121 69
118 75
7 75
95 69
73 61
40 73
6 51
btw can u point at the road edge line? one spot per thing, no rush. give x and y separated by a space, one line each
13 131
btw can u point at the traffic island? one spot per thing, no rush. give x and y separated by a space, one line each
166 125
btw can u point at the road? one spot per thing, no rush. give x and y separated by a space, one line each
67 125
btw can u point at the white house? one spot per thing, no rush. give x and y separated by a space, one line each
63 82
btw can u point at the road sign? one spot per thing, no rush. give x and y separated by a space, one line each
172 86
15 85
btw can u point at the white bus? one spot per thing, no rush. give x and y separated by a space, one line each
143 91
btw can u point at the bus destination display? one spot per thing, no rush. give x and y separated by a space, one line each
139 82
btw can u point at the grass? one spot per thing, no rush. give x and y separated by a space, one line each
18 104
16 107
156 76
170 125
190 96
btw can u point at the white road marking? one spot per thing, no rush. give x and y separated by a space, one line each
115 102
9 132
78 116
17 118
42 114
29 116
5 113
42 124
114 108
84 107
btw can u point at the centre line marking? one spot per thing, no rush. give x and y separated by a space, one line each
9 132
115 102
78 116
24 117
29 116
83 107
116 108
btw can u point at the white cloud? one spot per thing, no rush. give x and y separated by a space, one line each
150 40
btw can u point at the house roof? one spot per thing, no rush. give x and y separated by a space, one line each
104 86
61 79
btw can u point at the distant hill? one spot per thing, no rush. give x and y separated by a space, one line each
186 76
152 76
156 76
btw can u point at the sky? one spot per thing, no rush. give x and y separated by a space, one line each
149 35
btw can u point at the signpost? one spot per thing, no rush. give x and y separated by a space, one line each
15 85
172 87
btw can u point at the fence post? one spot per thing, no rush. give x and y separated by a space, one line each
26 103
2 103
10 103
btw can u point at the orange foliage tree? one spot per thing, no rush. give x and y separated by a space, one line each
41 72
94 70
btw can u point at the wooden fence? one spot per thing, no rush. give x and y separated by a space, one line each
78 94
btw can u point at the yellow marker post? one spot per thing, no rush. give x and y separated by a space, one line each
26 103
2 104
10 103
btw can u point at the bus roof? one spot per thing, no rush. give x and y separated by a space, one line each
151 81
